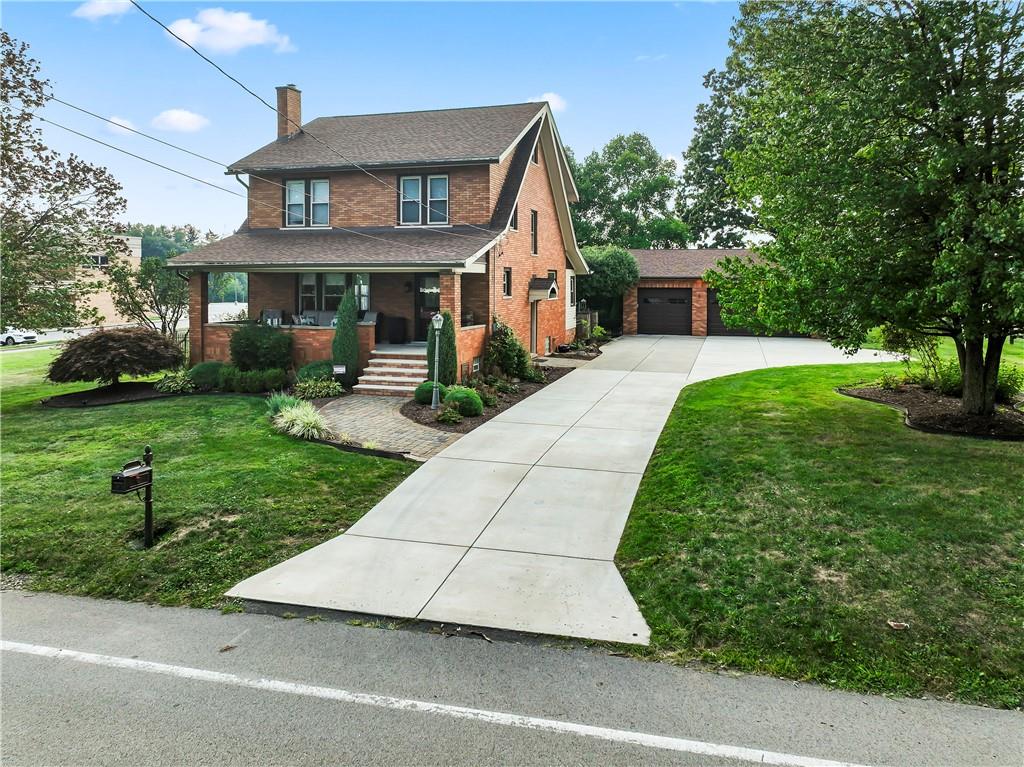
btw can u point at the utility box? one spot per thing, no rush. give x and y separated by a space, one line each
134 476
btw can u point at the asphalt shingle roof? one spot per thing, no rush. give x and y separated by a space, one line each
686 264
384 246
398 138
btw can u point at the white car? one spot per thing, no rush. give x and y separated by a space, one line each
12 336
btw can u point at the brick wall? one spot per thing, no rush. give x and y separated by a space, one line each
698 304
308 345
198 315
470 342
358 200
536 195
268 290
475 298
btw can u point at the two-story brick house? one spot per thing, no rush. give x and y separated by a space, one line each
464 210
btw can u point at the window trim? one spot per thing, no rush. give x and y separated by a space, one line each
513 222
572 290
535 155
447 199
307 203
534 239
402 200
506 289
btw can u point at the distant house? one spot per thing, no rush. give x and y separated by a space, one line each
459 210
101 300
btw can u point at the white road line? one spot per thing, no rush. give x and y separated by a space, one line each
628 737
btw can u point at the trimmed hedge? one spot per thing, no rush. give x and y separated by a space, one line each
320 369
261 347
251 381
466 400
206 375
448 357
425 392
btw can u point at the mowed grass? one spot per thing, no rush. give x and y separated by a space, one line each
237 496
1012 352
780 525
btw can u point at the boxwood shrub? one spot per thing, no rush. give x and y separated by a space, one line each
425 392
206 375
465 399
319 369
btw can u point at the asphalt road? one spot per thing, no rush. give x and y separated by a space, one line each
140 685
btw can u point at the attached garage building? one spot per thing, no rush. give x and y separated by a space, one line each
672 297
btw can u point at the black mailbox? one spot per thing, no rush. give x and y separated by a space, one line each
134 476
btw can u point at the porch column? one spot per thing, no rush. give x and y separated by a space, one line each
451 297
198 314
629 309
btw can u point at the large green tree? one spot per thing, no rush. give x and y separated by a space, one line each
883 147
612 270
55 212
626 195
150 295
707 204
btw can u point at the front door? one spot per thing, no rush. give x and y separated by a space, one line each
428 303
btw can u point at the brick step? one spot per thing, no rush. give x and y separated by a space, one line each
380 390
389 380
420 374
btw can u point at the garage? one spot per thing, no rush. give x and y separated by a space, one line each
715 325
664 311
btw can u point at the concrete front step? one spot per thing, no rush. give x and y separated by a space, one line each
417 374
389 380
406 360
384 390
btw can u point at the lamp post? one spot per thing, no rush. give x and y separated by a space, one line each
437 321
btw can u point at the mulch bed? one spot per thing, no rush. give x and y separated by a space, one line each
933 412
114 394
422 414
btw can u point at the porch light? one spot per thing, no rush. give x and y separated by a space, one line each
437 321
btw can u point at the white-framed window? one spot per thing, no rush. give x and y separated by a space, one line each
295 202
572 290
535 157
437 199
334 289
361 285
307 292
514 223
533 232
412 198
506 282
98 260
319 202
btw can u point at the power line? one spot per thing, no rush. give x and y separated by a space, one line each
274 109
228 191
221 164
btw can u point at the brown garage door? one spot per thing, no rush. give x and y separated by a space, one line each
664 311
715 325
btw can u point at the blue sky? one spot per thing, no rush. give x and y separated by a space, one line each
615 67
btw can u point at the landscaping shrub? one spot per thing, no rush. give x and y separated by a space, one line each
1010 383
504 386
487 394
949 380
534 374
448 357
275 378
316 388
345 345
250 382
599 333
321 369
177 382
505 353
206 375
107 355
278 401
228 379
889 381
302 421
448 413
465 399
261 347
425 392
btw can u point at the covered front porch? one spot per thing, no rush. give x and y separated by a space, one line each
394 307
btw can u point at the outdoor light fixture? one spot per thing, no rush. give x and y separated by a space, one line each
437 321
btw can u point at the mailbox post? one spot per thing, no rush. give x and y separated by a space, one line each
136 476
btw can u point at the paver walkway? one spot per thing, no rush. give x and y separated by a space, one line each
363 419
515 525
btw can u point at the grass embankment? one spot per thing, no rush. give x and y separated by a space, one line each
238 497
780 526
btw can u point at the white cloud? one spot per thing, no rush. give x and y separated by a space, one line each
220 31
651 57
97 9
118 125
556 102
180 120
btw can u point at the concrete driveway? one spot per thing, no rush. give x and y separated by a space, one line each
515 525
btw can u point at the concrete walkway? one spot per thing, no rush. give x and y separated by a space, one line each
515 525
377 420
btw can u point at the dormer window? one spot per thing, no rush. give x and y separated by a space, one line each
307 202
414 190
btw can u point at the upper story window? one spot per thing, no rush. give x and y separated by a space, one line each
307 202
514 223
506 282
421 194
533 232
98 260
535 157
572 290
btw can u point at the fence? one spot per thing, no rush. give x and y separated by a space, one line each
181 339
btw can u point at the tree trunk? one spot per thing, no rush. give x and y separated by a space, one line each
979 368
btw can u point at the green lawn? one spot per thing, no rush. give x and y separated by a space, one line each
238 496
780 525
947 349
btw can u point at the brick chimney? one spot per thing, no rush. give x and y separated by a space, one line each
289 110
